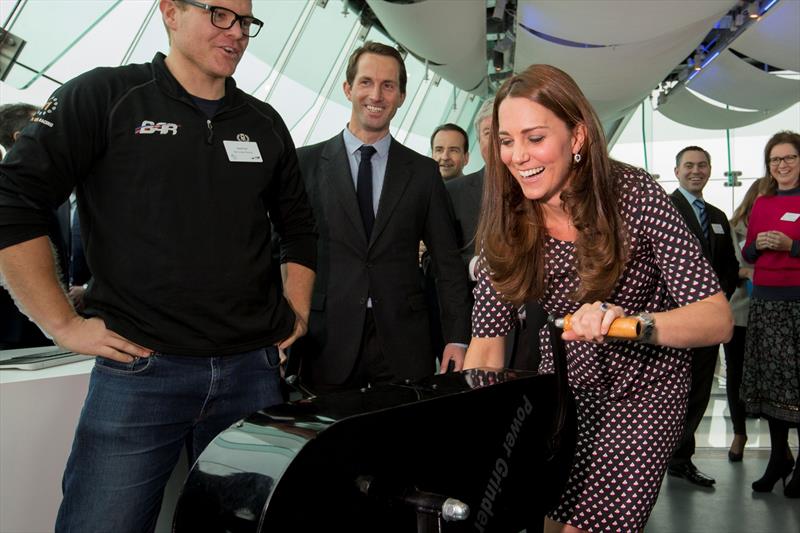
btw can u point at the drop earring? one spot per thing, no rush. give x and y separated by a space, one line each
577 158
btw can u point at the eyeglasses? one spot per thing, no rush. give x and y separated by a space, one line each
224 18
788 159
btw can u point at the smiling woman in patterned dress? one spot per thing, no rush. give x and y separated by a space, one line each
565 225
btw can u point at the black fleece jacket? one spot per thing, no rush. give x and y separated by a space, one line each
176 234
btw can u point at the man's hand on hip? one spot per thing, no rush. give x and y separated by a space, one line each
90 336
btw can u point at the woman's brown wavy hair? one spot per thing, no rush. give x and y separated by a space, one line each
512 228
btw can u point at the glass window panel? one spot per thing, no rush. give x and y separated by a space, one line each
152 39
318 47
740 191
279 18
629 147
335 110
309 125
311 63
332 121
106 43
465 109
471 107
467 119
452 113
717 193
415 70
37 94
250 72
429 116
44 43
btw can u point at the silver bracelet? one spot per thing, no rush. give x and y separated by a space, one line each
647 327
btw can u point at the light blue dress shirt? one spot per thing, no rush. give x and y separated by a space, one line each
379 161
691 198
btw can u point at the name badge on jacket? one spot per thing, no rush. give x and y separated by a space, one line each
242 152
790 217
717 228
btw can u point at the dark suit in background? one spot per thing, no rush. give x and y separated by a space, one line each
466 193
413 206
718 249
16 329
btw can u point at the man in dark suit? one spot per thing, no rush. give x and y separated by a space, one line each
711 227
450 150
374 201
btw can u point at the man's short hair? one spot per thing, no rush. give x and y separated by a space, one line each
371 47
483 113
691 149
182 7
14 117
452 127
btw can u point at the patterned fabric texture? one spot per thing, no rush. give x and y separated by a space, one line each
771 380
630 397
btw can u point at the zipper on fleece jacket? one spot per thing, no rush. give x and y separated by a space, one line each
210 137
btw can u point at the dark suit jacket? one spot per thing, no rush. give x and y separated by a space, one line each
466 193
413 206
718 248
16 330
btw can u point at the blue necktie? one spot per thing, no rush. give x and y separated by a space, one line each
701 209
364 188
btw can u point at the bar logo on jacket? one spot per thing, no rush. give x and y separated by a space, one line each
148 127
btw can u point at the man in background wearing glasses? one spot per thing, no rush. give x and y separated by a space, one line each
179 175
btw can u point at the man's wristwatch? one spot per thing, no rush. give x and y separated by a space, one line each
647 327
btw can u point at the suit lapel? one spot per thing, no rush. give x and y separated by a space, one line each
336 166
689 216
395 181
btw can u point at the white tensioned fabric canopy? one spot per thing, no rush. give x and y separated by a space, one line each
614 78
616 21
451 36
686 108
731 81
735 82
775 40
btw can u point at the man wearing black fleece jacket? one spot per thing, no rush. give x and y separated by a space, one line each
179 176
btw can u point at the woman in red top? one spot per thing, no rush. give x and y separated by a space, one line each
771 381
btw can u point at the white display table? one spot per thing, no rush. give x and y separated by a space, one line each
39 411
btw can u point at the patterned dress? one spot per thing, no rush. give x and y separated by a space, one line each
630 397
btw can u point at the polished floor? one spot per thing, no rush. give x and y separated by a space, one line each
731 506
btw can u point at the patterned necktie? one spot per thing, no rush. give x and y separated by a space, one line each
364 188
701 209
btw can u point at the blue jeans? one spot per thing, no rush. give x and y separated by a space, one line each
135 420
